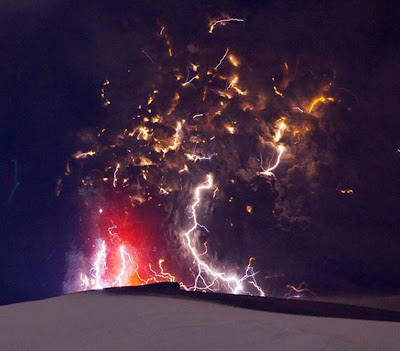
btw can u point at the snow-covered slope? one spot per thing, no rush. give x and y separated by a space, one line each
101 321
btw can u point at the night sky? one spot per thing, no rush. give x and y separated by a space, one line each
57 56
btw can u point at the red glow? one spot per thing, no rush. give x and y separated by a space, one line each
129 235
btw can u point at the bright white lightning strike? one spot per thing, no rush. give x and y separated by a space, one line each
268 172
213 276
222 59
278 134
81 154
123 253
191 80
195 158
100 259
224 21
115 175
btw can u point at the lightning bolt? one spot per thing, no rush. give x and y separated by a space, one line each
81 154
112 264
96 271
111 232
123 253
223 21
115 181
163 275
212 276
278 134
222 59
268 172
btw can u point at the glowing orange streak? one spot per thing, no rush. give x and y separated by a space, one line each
194 67
162 274
165 274
298 290
191 80
173 104
277 92
233 85
147 281
318 100
234 61
230 129
286 66
144 133
278 134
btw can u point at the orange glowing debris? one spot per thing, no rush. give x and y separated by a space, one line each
234 60
80 154
278 135
173 104
318 100
277 92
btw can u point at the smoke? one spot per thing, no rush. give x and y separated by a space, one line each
75 261
194 119
232 136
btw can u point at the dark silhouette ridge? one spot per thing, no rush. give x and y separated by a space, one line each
268 304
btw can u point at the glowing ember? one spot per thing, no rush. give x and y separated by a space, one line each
188 142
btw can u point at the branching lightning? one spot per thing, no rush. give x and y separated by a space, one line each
166 149
123 253
96 270
268 171
206 276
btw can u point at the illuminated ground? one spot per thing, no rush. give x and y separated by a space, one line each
163 320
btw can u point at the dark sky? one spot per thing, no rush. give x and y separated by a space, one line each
56 56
